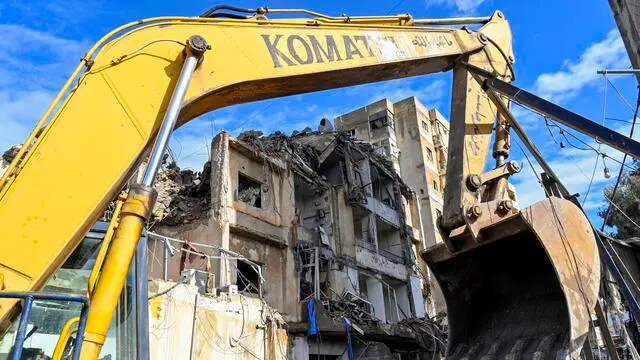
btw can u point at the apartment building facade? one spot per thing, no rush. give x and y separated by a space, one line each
318 225
415 140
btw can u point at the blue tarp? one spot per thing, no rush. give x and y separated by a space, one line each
313 326
347 325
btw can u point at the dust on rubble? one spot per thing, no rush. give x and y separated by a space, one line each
183 195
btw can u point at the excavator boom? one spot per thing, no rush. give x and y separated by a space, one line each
106 119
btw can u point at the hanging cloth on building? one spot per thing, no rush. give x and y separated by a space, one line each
313 326
347 325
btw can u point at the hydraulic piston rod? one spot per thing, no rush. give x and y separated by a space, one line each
453 21
135 212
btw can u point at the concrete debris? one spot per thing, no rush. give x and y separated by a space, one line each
305 150
353 307
249 194
10 154
183 195
429 334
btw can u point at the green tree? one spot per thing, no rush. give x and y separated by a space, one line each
627 198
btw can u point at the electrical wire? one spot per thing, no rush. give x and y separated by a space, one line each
622 212
561 231
595 166
233 342
621 120
253 117
565 132
624 100
171 287
395 6
624 158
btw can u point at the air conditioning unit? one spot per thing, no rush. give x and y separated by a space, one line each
230 289
199 279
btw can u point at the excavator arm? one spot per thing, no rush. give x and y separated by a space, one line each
97 135
121 104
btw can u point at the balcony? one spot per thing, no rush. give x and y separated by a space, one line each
371 260
391 256
383 210
367 245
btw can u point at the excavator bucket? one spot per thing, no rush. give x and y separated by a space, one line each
524 289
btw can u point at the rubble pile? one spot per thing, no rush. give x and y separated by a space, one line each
10 154
430 334
280 145
304 148
183 195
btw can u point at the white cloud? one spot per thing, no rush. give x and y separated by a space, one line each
20 111
574 167
609 53
33 64
463 6
430 93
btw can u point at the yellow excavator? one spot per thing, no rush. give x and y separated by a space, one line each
518 283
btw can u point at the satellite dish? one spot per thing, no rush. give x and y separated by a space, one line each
325 125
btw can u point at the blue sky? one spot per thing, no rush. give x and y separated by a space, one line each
559 45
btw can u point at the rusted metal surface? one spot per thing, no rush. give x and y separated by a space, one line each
523 286
606 334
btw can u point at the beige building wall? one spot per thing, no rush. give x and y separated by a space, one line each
375 124
415 139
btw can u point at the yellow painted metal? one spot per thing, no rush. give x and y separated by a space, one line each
96 136
104 246
65 334
472 119
134 214
93 140
526 289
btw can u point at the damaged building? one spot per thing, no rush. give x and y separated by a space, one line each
317 225
414 139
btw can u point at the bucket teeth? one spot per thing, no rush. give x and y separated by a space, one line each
473 352
516 294
516 350
459 351
493 352
544 347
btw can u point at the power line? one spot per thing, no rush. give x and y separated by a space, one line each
622 212
595 166
621 120
395 6
255 114
624 100
565 132
624 158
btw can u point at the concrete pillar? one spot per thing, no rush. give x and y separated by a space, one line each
402 297
300 348
375 294
352 279
221 197
369 226
416 296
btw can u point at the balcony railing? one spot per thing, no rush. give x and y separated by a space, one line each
367 245
391 256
